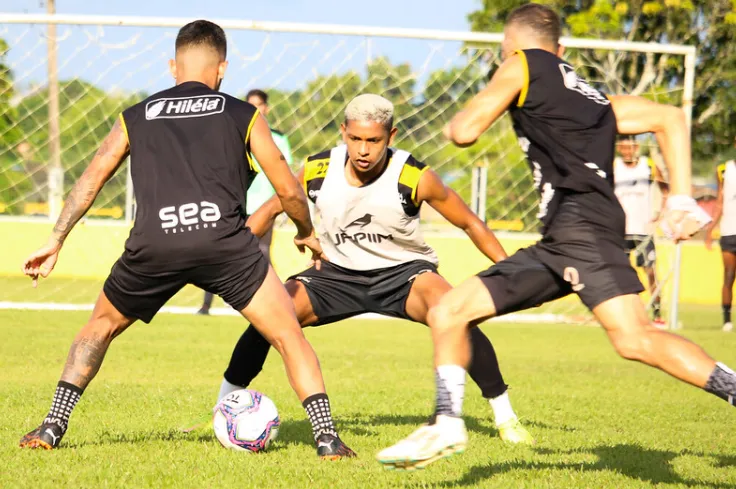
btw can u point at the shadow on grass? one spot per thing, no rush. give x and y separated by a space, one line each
291 431
138 437
633 461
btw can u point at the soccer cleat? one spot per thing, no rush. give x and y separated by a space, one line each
513 432
728 327
444 438
659 323
46 436
331 447
204 311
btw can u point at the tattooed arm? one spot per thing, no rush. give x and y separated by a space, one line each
112 153
107 160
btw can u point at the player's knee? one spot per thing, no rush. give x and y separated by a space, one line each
106 327
443 315
286 338
635 345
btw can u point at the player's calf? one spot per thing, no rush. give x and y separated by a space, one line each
625 321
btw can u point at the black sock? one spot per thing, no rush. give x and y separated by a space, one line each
484 369
722 383
248 357
65 398
726 313
318 411
657 310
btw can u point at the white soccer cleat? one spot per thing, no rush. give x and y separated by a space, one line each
427 444
728 327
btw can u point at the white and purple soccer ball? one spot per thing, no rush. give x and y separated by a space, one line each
246 420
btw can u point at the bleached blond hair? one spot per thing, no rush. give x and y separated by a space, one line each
370 108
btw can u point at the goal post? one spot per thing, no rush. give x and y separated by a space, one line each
310 71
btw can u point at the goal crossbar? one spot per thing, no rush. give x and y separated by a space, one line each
345 30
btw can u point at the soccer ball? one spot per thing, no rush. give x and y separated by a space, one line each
246 420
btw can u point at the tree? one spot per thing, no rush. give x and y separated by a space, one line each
87 114
12 180
710 26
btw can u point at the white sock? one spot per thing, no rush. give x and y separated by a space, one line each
502 410
226 388
450 389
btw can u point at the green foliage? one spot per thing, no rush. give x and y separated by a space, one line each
87 114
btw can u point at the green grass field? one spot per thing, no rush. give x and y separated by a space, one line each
600 422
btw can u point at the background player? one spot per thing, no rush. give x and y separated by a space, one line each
368 196
189 147
260 189
633 177
725 214
568 130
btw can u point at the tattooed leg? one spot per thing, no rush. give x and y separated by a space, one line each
82 364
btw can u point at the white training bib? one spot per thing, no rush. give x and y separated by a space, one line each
727 173
633 187
366 228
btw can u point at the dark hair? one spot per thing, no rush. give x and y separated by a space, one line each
626 138
256 92
202 33
540 18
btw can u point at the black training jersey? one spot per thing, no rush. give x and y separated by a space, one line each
567 130
190 163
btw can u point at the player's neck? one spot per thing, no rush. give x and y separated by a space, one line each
186 77
359 179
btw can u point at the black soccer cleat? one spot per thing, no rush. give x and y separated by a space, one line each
47 436
331 447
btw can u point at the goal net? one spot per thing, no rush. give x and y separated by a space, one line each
62 85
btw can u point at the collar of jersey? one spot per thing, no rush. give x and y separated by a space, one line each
385 168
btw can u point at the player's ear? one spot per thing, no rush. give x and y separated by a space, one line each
172 68
221 70
342 131
560 50
392 135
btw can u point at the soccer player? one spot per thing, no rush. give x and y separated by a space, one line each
725 214
633 177
260 189
189 147
368 197
567 129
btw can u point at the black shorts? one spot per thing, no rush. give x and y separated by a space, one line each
139 294
576 254
339 293
643 248
728 244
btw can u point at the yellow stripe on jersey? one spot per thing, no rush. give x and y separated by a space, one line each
125 127
525 88
315 169
247 140
720 170
410 176
652 169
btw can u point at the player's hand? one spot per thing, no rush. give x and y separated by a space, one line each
42 261
447 132
709 242
311 242
683 218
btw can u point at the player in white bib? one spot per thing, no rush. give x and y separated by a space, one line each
634 175
367 196
726 214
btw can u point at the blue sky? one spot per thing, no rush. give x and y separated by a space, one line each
135 58
427 14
